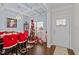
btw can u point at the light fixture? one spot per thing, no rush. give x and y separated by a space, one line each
18 17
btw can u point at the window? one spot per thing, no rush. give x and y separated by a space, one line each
38 26
61 22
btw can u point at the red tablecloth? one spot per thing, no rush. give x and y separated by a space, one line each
10 41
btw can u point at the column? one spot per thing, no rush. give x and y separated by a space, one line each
49 28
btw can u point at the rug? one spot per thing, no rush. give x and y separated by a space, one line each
60 51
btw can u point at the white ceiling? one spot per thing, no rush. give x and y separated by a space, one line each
58 5
28 9
32 9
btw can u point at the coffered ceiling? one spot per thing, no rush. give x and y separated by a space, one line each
28 9
32 9
59 5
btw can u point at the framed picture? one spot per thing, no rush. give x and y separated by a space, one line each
11 23
26 26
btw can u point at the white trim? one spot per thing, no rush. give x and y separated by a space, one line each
22 41
9 46
70 32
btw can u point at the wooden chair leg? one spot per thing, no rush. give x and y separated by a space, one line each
25 44
1 48
6 51
15 49
3 51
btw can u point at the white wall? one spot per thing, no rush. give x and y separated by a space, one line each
63 12
75 28
3 21
73 12
49 27
52 14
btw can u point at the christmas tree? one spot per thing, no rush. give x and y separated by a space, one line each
32 39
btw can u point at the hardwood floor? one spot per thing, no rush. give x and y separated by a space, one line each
43 50
39 49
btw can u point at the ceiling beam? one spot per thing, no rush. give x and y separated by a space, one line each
33 10
29 13
30 10
45 5
18 12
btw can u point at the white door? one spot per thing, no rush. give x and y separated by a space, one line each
62 32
